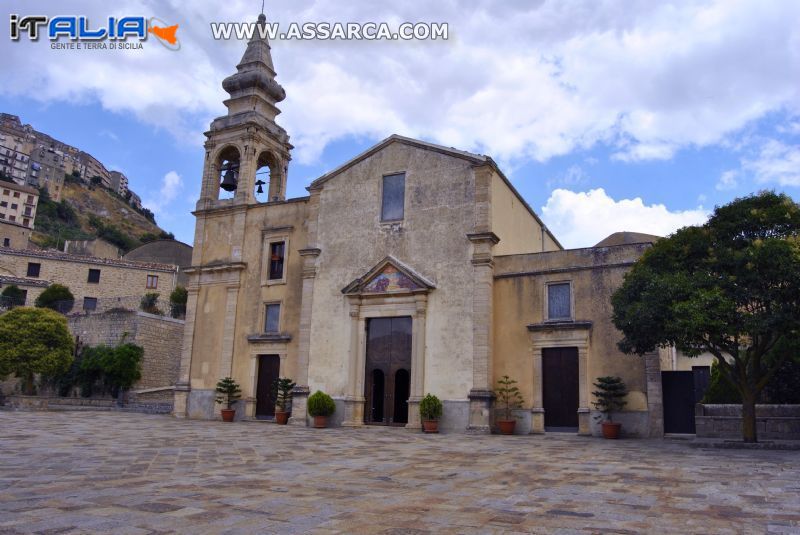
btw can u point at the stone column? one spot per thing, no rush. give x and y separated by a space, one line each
183 386
537 411
228 332
300 395
417 391
584 424
354 399
481 394
655 397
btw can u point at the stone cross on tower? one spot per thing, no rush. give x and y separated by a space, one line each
247 139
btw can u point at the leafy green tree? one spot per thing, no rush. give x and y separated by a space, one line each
122 367
177 301
34 341
57 297
14 295
730 288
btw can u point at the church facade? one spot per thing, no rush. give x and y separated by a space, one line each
411 269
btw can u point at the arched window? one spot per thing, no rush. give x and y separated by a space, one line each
228 164
264 174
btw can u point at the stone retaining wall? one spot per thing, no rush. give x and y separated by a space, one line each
725 421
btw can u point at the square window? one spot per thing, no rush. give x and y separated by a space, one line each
14 206
152 282
16 195
2 216
94 276
559 306
272 318
26 222
3 204
90 303
394 189
34 269
30 199
12 218
276 257
6 242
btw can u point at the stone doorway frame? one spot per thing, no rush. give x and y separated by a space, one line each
560 334
362 308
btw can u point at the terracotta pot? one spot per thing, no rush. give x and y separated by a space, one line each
611 429
507 426
320 422
430 426
228 414
281 417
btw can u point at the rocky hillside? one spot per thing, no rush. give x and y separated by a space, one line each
87 212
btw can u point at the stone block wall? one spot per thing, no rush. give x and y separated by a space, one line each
725 421
161 338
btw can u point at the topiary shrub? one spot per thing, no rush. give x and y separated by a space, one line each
228 392
610 394
13 296
56 297
321 404
430 408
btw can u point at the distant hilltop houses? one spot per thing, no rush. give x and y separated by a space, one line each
35 159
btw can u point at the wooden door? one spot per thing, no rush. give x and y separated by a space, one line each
388 371
560 388
268 370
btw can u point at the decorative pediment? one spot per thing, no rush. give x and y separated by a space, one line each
389 276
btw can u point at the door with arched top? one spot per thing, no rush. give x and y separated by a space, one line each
387 376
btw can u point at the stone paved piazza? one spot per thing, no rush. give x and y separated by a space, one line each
96 472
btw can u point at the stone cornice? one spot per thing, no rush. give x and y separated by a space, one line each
480 237
560 326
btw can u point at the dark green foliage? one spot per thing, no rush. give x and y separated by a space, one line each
34 341
720 390
112 234
104 370
147 237
228 392
177 302
320 404
283 393
13 296
58 221
508 395
149 304
57 297
730 288
610 395
96 180
430 408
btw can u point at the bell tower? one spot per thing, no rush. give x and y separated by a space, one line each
246 150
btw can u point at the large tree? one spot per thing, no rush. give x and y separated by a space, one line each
730 288
34 341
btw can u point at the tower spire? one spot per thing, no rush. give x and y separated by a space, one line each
253 86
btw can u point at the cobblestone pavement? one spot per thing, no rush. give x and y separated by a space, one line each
96 472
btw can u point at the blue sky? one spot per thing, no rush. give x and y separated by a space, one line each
605 117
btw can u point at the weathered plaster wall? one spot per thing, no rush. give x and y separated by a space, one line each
520 301
518 230
439 212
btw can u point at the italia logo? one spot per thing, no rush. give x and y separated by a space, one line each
78 28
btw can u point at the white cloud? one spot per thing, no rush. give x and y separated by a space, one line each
728 180
518 80
573 176
581 219
171 186
776 162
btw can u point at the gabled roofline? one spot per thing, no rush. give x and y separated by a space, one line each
474 158
477 160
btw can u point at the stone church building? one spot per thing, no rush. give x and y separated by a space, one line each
411 269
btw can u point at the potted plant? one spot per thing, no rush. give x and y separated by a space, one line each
283 399
609 394
430 410
228 392
509 398
320 407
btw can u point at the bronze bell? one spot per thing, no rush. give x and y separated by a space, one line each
228 180
260 183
